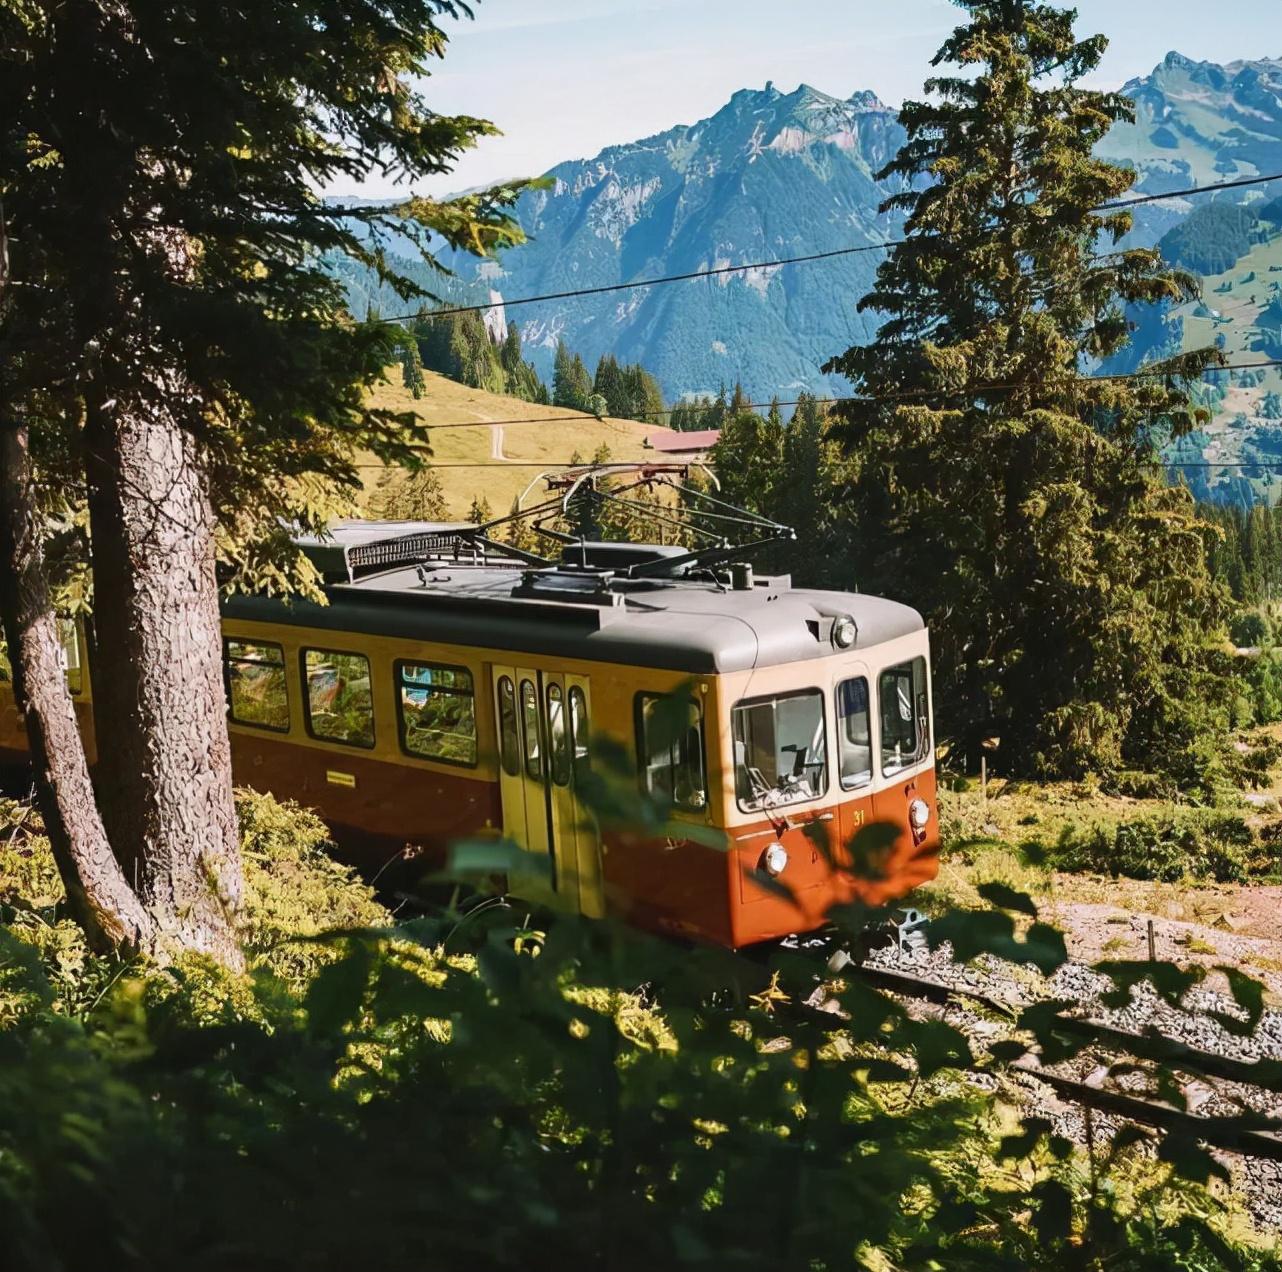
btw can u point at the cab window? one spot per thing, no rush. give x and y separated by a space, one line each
340 705
780 750
437 712
256 690
670 750
854 737
905 728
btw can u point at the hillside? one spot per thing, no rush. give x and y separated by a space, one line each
501 460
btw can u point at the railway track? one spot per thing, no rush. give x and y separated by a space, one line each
1250 1134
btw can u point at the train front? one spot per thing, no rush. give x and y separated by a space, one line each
820 771
827 778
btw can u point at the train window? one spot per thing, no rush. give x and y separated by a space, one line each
71 664
437 707
340 705
530 731
780 750
509 742
580 730
558 736
854 737
256 692
905 724
670 749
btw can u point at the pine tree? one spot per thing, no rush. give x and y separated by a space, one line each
412 368
519 533
748 459
1072 612
180 348
411 496
571 384
609 385
479 513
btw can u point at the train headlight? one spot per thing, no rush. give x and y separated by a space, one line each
919 814
844 632
775 860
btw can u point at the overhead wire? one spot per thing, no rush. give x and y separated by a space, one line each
722 270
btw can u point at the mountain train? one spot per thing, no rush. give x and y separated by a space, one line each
453 688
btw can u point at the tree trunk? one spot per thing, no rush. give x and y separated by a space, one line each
164 771
98 893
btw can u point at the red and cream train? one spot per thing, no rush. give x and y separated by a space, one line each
441 695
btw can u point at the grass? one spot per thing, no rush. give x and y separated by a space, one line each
528 448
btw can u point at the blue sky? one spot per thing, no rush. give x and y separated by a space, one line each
564 78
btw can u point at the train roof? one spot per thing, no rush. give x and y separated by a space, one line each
673 616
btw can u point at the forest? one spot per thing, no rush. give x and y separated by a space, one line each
220 1047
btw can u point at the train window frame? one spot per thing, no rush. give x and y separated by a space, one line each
580 730
560 763
760 804
698 804
863 778
400 684
528 757
509 744
282 665
920 706
309 723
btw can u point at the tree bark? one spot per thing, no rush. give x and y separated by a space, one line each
164 771
98 894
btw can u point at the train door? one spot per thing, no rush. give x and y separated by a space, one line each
543 753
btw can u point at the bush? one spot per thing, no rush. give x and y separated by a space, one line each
1250 628
294 892
1179 844
195 1121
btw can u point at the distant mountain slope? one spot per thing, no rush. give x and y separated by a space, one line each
769 175
773 175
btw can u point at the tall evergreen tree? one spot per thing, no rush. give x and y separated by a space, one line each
177 348
414 495
1066 585
571 384
412 369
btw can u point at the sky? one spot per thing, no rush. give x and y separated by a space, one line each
565 78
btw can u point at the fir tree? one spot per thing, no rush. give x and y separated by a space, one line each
412 368
748 459
519 533
1073 615
479 513
571 384
416 495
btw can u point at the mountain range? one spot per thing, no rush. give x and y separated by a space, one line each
775 174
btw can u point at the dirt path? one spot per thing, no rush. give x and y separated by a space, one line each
496 442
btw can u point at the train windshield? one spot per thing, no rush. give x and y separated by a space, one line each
780 752
905 725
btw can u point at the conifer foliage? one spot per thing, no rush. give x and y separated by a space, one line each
1073 614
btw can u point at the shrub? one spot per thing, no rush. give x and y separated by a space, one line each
294 892
1250 628
1168 847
